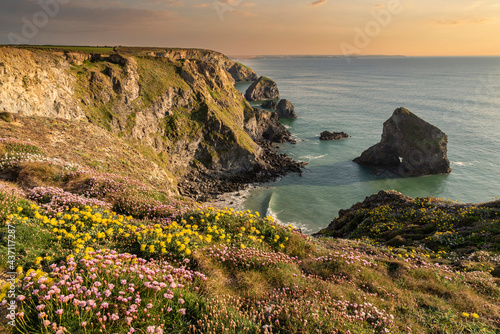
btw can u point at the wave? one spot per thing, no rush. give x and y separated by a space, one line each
312 157
274 214
461 164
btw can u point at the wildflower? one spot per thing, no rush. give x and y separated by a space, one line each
465 314
475 315
182 311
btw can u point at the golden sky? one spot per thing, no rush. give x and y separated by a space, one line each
256 27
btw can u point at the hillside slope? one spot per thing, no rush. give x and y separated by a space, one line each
186 111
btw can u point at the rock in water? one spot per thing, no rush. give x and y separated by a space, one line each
409 147
269 104
285 109
327 135
262 89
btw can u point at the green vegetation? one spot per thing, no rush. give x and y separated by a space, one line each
157 76
85 49
6 117
235 270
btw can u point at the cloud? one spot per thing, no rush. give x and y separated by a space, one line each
463 21
83 16
318 3
201 5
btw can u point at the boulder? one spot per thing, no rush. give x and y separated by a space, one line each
262 89
409 147
269 104
327 135
285 109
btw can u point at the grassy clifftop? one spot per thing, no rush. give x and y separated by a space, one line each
163 264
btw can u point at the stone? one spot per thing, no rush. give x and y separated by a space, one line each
409 147
265 125
262 89
285 109
269 104
327 135
242 73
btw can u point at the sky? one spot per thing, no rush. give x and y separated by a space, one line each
262 27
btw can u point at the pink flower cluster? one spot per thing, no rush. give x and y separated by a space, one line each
248 258
57 200
130 197
305 309
108 291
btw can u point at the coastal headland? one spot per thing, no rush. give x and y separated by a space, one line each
107 159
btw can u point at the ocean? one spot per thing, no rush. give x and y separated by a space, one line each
460 95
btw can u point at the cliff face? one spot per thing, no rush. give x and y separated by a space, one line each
37 85
184 109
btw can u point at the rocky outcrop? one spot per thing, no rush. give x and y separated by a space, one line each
188 112
285 109
238 71
409 147
339 226
327 135
263 124
270 104
242 73
37 85
262 89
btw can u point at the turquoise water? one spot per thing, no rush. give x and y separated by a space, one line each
459 95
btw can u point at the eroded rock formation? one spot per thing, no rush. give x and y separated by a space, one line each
409 147
285 109
262 89
269 104
327 135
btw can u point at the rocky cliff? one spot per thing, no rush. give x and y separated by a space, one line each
238 71
184 109
409 147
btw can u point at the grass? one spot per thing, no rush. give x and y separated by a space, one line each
246 273
85 49
435 228
157 76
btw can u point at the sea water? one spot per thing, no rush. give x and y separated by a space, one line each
460 95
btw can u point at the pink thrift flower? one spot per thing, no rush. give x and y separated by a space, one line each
182 311
59 312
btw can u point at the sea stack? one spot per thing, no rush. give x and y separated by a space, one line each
262 89
285 109
409 147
